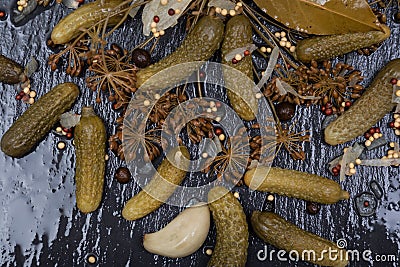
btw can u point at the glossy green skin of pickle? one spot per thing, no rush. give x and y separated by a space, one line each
238 33
199 45
366 111
282 234
83 18
232 229
33 125
90 145
10 71
162 186
326 47
295 184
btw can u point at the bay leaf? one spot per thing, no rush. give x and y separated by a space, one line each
155 8
135 10
322 17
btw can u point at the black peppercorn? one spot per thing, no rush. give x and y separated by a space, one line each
396 17
123 175
141 58
313 207
285 111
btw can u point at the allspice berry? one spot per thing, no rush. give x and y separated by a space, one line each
123 175
285 111
141 58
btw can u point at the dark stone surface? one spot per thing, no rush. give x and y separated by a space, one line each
71 236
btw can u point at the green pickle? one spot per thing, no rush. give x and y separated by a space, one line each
90 144
33 125
366 111
160 188
295 184
321 48
85 17
199 45
10 71
232 230
282 234
238 33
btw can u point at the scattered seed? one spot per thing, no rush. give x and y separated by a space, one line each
32 94
61 145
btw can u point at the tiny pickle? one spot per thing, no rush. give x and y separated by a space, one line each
33 125
199 45
90 144
282 234
238 33
85 17
183 235
321 48
371 107
10 71
295 184
232 230
161 187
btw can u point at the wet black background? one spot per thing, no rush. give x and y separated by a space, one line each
116 241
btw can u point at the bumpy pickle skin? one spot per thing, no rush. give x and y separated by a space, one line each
327 47
10 71
371 107
85 17
232 229
282 234
162 186
295 184
90 144
33 125
199 45
238 33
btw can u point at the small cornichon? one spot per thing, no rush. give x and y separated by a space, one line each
200 44
85 17
238 33
161 187
33 125
282 234
90 144
295 184
232 230
321 48
371 107
10 71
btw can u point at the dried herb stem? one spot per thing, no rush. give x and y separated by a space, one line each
249 11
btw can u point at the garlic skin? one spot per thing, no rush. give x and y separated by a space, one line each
183 235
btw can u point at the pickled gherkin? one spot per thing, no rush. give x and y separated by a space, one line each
90 143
